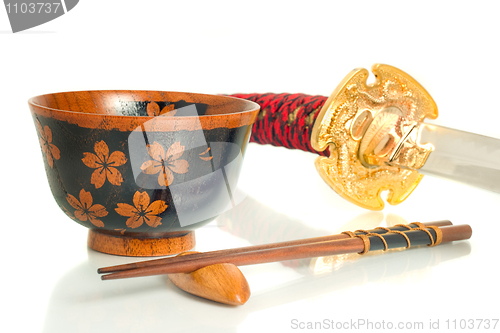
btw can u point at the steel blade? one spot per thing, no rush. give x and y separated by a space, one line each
465 157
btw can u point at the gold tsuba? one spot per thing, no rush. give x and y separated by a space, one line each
371 130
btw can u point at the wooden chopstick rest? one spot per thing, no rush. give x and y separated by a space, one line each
223 283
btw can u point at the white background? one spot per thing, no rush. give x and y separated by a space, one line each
48 276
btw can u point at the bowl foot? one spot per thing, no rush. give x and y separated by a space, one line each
141 245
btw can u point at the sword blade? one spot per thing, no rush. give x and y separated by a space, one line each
465 157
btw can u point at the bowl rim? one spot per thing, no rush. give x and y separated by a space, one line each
254 106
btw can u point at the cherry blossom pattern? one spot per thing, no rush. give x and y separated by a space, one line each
165 164
86 210
67 212
48 148
153 110
142 211
207 156
104 165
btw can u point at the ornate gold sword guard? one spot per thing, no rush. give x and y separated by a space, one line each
367 128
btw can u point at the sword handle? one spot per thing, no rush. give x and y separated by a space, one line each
285 120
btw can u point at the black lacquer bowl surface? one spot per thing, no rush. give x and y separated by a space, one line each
144 165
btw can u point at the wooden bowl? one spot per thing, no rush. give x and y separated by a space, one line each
142 169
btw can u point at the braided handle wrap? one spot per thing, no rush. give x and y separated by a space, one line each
285 120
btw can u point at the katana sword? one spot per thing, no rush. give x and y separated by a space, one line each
376 137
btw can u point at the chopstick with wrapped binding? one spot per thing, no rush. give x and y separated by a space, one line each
162 261
356 244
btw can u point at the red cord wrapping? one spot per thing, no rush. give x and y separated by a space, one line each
285 120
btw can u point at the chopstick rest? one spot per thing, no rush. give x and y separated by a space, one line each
223 283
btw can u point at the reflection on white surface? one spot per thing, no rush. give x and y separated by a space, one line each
354 271
260 224
341 287
82 302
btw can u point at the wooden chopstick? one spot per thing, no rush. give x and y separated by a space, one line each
170 260
318 249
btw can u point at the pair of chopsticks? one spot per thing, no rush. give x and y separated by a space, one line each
297 249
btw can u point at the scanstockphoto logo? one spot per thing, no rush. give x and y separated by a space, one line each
26 14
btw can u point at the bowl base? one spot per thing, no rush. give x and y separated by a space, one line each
140 245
